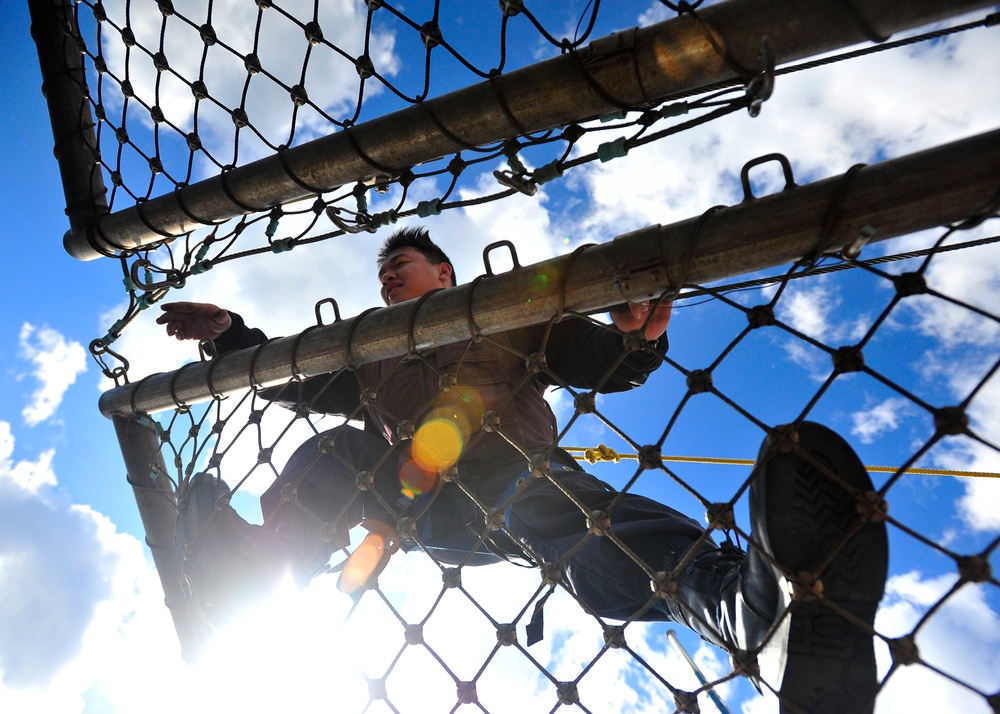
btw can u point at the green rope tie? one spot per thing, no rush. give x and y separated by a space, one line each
360 193
674 110
429 208
544 174
385 218
612 150
515 164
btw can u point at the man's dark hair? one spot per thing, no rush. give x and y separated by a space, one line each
418 238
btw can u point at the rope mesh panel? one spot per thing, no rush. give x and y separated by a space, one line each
249 435
189 75
167 68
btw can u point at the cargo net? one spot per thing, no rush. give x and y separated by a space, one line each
183 92
432 625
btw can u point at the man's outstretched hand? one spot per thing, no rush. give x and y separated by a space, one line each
633 316
194 320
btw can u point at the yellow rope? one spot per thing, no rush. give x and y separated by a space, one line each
602 453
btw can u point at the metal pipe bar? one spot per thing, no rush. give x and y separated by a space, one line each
702 679
638 67
157 503
64 85
904 195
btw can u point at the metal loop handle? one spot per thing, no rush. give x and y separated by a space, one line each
297 374
489 249
207 350
786 167
336 310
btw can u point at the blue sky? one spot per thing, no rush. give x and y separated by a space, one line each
82 624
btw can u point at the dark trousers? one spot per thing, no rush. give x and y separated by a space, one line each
319 489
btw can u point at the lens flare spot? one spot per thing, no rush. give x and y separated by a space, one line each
539 283
460 404
437 444
363 562
414 480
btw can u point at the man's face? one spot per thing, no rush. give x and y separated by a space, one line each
406 274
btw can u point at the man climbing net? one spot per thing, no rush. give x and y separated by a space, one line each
459 456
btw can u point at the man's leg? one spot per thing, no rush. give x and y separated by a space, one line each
308 512
333 482
607 580
806 506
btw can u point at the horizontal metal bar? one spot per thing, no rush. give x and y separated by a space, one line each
896 197
637 67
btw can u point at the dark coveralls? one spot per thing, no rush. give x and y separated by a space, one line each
475 383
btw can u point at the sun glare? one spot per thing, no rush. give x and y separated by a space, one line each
287 654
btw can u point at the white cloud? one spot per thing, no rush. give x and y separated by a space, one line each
978 506
970 276
524 221
882 418
457 640
83 626
57 563
57 363
961 369
807 310
816 309
962 639
30 476
823 120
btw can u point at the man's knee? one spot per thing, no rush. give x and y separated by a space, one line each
331 480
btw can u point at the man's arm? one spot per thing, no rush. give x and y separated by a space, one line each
581 354
326 394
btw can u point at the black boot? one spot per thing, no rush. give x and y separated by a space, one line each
712 596
228 564
796 612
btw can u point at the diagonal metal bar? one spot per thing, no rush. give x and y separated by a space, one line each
897 197
64 84
157 502
634 68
